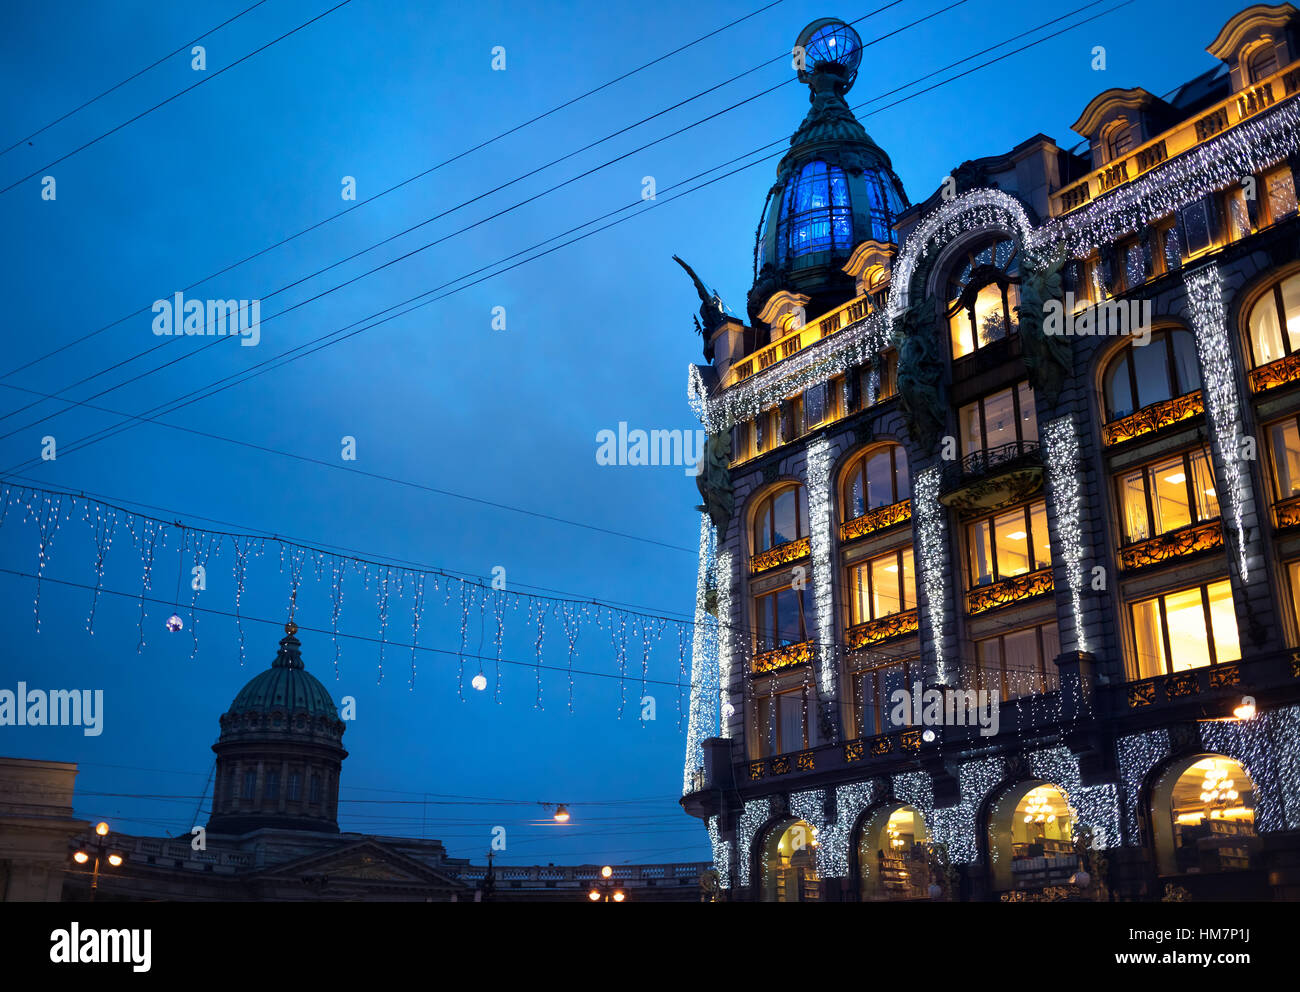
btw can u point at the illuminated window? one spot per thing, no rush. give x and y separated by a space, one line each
1238 213
1278 310
888 384
1262 63
783 617
878 478
1005 417
1168 494
790 864
1284 450
1293 578
1138 376
815 212
881 586
1031 837
1204 817
1008 544
874 688
786 721
1279 185
892 857
1021 663
982 298
1190 628
782 517
1136 265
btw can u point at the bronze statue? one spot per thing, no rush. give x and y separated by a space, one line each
710 310
921 390
714 481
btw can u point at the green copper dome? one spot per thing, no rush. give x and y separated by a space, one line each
285 687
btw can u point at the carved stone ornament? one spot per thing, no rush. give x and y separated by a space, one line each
921 392
714 481
1047 356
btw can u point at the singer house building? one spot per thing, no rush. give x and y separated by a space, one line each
999 580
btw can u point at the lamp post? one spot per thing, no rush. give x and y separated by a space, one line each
98 850
605 889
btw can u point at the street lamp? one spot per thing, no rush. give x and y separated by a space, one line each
605 889
98 850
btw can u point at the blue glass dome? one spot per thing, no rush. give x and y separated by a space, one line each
817 208
830 42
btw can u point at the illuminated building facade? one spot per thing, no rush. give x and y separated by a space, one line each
1038 437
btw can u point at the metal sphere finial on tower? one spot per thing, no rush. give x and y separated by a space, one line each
829 45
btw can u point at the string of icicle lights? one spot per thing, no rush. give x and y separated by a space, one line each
477 610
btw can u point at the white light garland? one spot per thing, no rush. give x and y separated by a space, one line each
721 853
933 553
1222 161
1138 754
1205 301
972 211
819 526
752 817
1062 467
833 851
726 635
704 661
1268 746
1097 805
957 826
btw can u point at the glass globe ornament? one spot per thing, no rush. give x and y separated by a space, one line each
175 623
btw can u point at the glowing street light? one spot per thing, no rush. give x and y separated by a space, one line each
98 850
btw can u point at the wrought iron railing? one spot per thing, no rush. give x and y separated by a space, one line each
1274 374
991 461
781 554
1153 417
1008 591
1171 545
881 629
876 520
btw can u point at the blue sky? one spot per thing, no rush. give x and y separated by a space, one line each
596 333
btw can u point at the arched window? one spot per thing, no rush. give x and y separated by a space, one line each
1162 369
782 517
790 863
982 296
1203 815
1031 843
879 477
1274 322
1262 63
815 213
1119 140
892 857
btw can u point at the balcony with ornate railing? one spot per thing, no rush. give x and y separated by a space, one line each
993 477
1181 138
1153 417
1279 373
1172 545
785 656
780 554
796 340
874 521
1016 589
1286 512
881 629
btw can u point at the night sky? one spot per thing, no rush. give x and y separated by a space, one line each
596 333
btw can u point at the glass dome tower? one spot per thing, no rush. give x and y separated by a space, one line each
835 187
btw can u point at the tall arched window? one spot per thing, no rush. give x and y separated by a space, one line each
782 517
1274 322
815 213
879 477
1203 817
983 294
1139 376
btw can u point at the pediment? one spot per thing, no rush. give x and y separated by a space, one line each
364 860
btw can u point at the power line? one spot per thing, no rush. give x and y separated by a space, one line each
240 377
128 79
546 192
206 78
404 182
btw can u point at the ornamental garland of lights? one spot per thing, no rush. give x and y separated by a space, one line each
704 657
933 553
972 211
1205 300
1097 805
1062 476
957 826
819 524
1138 754
752 817
1222 161
721 853
833 852
726 638
1268 746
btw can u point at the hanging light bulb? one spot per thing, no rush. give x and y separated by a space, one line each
561 813
479 681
